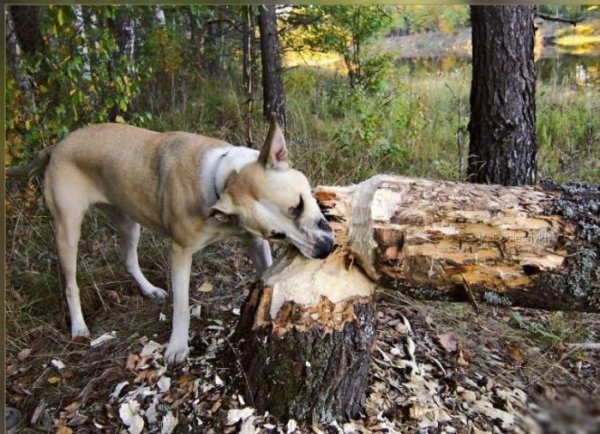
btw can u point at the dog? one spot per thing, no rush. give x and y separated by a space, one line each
193 189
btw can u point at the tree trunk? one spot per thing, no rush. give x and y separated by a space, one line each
26 23
305 344
82 46
273 95
502 128
15 60
446 240
249 69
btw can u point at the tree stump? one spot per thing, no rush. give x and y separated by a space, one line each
305 337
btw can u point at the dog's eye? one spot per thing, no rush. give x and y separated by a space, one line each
277 235
296 211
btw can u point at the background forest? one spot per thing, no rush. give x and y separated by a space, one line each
368 89
364 90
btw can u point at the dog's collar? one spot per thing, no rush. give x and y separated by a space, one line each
221 158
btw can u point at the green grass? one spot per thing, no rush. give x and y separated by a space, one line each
416 126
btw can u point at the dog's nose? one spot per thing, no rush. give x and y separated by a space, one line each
324 248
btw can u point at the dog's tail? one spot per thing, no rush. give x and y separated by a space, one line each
33 167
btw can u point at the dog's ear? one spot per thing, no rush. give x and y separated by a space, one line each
273 154
223 210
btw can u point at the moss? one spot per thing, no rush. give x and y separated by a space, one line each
496 299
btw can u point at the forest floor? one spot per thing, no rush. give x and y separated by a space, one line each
491 370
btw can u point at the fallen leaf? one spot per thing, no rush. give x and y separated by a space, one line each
57 364
103 339
54 380
235 415
169 422
118 389
164 384
71 409
448 342
292 426
461 359
515 354
206 287
247 426
132 360
150 348
61 429
149 375
129 412
196 311
23 354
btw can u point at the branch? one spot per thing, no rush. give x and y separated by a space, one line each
558 19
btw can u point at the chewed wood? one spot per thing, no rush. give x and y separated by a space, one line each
434 238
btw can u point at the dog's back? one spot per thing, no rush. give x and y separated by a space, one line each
131 168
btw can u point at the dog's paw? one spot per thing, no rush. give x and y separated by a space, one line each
79 330
176 353
155 293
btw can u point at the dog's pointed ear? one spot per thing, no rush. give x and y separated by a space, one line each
223 210
273 154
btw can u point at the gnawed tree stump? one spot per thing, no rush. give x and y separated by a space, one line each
527 246
305 338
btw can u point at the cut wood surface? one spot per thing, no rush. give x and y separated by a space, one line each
305 337
529 246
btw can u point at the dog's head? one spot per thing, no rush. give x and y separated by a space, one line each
271 200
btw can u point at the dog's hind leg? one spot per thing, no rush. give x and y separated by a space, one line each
68 210
129 230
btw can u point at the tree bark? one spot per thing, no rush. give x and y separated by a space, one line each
273 94
15 60
249 67
82 46
502 128
305 344
26 23
526 246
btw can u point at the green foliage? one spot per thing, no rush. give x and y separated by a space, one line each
346 30
417 19
78 78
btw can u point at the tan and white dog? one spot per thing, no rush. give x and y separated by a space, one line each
194 189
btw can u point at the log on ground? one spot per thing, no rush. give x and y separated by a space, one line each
305 337
527 246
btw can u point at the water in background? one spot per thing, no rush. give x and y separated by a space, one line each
561 69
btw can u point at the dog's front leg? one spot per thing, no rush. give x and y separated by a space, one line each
181 264
260 252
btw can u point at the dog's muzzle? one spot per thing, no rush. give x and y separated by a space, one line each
324 244
323 248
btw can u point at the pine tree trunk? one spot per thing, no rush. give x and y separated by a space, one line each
444 240
502 128
273 95
305 344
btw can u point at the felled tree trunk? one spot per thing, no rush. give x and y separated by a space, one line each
305 338
527 246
